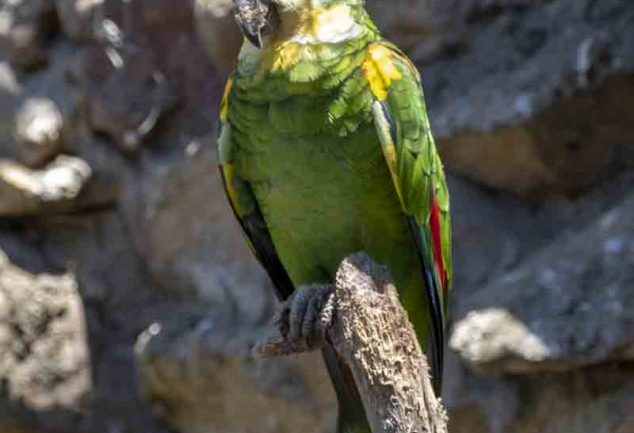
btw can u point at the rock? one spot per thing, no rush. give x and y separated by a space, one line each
40 12
44 362
78 18
526 96
6 22
490 236
24 191
33 23
38 132
406 22
180 245
593 400
149 16
201 378
484 250
568 307
127 98
218 30
63 179
119 305
28 51
9 91
52 98
493 334
515 115
110 169
59 102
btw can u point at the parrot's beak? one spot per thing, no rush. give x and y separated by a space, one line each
253 17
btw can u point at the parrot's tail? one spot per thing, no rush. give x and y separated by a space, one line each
352 418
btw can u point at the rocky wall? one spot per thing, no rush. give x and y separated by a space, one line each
129 302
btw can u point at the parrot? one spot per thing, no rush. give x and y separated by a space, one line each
325 149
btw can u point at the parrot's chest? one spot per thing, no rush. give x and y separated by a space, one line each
322 195
308 173
272 155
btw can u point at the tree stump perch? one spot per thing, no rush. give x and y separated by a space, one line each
371 331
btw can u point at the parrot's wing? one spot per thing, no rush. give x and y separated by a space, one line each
403 127
248 214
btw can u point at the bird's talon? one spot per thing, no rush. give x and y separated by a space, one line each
304 318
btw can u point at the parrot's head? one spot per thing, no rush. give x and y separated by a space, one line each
260 20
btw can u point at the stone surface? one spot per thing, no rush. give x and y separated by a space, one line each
528 97
178 365
28 52
408 22
45 364
32 24
597 399
24 191
78 18
38 132
176 228
490 335
536 100
126 99
218 30
490 230
120 300
9 91
569 306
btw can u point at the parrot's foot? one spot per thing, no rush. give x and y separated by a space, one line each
306 316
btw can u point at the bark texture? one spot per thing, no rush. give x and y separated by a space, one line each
371 332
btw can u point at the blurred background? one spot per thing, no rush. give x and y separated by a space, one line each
129 301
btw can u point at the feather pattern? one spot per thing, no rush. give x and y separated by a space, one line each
408 146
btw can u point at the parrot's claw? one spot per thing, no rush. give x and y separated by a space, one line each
306 315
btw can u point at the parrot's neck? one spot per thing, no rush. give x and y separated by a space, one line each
307 35
310 35
320 25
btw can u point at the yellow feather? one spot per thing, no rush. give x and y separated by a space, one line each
379 70
388 147
224 105
286 56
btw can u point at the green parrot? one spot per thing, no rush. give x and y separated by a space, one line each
325 150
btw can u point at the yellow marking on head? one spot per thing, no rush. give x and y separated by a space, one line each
329 21
224 105
314 23
380 71
302 32
326 24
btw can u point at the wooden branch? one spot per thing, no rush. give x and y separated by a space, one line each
371 332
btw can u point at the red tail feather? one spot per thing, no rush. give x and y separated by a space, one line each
437 242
